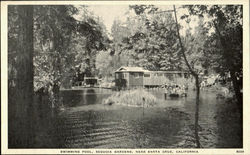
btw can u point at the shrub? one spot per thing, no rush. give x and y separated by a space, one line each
137 98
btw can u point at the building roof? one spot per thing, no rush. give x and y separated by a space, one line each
173 72
131 69
140 69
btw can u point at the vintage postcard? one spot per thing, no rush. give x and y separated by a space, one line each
125 77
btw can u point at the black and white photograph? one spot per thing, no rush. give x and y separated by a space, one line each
124 76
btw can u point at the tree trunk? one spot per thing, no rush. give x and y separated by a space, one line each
236 86
196 124
25 75
197 84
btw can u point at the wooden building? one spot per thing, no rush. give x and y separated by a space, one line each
132 75
139 77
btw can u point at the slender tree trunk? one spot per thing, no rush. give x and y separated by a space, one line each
25 74
196 125
196 76
57 68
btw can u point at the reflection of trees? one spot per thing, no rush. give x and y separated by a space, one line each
72 98
90 96
229 125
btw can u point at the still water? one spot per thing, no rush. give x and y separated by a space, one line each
86 123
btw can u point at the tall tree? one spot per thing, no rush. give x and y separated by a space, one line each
47 35
21 99
227 22
54 26
62 43
152 43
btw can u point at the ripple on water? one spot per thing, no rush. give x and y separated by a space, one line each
168 125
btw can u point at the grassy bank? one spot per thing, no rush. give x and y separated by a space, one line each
136 98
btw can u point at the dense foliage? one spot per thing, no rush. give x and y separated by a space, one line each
66 46
62 45
224 46
153 43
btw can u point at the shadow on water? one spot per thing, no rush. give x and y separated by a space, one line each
87 96
45 120
90 96
121 127
40 121
230 125
72 98
196 124
86 123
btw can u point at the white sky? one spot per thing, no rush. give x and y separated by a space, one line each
108 13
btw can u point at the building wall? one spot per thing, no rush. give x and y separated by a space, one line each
135 79
158 79
155 79
139 79
123 75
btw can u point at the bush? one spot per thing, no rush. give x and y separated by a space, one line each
137 98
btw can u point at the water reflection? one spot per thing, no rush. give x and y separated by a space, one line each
86 123
75 98
90 96
229 128
196 124
72 98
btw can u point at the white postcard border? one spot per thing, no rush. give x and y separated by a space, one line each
246 79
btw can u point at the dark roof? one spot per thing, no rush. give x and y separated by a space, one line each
168 72
140 69
131 69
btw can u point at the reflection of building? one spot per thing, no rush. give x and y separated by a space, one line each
138 77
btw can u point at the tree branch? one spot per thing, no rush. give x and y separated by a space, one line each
182 48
